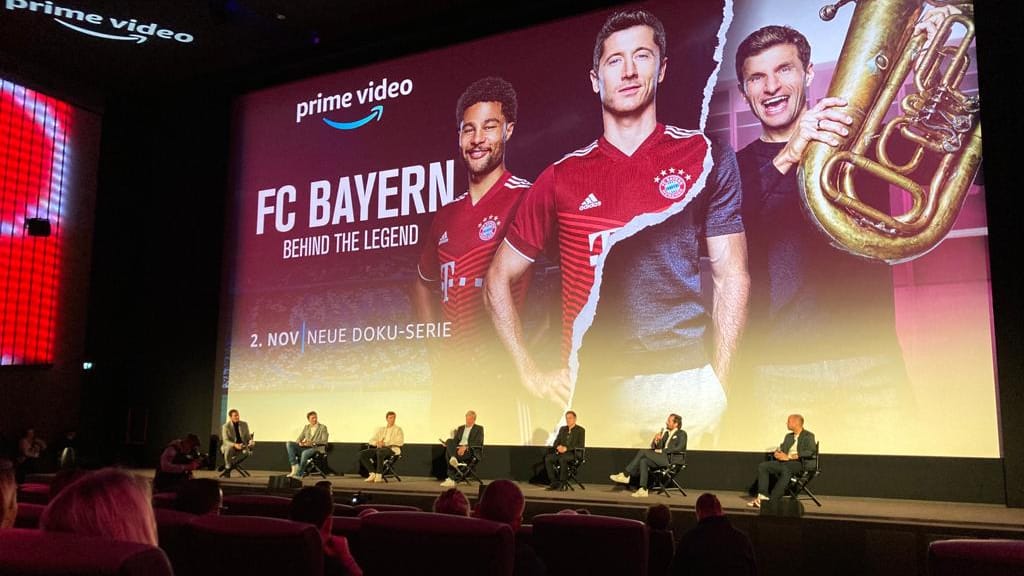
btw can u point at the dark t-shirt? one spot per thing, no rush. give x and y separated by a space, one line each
809 300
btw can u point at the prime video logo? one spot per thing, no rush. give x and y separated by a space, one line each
374 92
127 29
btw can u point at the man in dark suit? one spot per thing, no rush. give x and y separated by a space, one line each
671 440
570 437
460 446
713 546
798 449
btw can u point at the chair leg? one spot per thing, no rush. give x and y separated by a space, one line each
811 494
678 487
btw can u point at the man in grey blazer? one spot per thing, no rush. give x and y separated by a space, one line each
236 441
312 439
668 441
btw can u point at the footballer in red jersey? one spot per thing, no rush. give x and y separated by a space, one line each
628 213
457 252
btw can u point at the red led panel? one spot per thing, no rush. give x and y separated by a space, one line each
34 164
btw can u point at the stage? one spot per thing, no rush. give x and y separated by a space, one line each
611 499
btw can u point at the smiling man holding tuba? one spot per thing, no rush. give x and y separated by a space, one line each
821 330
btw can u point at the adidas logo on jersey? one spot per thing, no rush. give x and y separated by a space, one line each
443 239
589 202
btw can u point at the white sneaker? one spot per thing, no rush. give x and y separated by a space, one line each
378 477
640 493
453 462
295 471
620 478
448 483
370 477
756 502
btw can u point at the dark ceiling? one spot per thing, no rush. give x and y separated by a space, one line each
240 44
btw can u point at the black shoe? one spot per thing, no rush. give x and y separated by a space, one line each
554 486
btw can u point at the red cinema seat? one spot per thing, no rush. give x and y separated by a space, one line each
164 500
433 543
33 493
976 557
28 515
607 545
257 505
38 553
349 527
252 545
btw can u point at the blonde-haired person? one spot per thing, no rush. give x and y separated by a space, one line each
109 503
8 495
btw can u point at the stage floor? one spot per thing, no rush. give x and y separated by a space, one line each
601 497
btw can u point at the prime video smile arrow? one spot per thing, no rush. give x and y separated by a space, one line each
375 114
139 38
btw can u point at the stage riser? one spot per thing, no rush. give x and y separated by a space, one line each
978 480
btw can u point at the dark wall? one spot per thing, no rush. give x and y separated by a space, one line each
999 51
156 273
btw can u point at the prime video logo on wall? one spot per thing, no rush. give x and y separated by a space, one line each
373 93
97 25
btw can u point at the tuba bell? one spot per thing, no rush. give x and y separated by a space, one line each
937 120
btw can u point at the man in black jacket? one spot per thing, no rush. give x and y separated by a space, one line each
713 546
570 437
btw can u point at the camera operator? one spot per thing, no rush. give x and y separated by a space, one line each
177 462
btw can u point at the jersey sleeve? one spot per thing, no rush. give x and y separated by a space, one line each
429 266
725 204
535 219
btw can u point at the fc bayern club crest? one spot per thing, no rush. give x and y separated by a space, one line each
489 227
672 183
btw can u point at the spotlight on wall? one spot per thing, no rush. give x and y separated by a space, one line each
37 227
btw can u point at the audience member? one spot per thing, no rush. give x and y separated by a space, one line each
109 503
503 501
713 546
177 462
200 496
326 485
453 502
8 494
658 517
30 448
315 506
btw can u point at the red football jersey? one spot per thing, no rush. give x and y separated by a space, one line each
462 241
594 192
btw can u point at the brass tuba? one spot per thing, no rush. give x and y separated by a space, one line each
880 50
